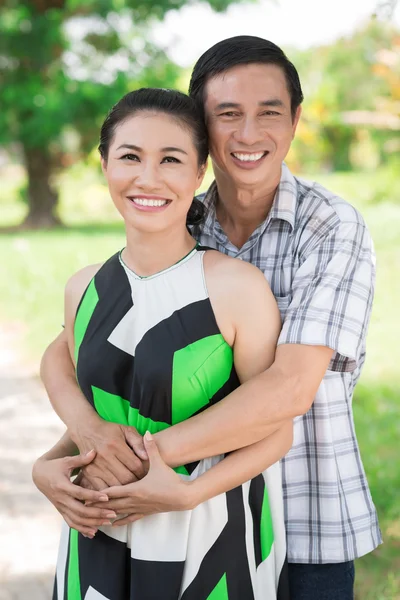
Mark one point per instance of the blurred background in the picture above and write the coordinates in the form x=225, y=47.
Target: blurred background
x=63, y=64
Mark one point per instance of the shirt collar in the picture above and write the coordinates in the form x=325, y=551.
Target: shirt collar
x=283, y=206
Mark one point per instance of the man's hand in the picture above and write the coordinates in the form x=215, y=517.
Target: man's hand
x=120, y=454
x=161, y=490
x=52, y=478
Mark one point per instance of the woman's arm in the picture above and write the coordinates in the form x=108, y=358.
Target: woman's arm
x=242, y=465
x=162, y=490
x=51, y=474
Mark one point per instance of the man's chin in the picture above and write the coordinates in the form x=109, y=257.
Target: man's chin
x=251, y=179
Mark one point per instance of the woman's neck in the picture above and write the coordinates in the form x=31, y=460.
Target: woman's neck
x=150, y=253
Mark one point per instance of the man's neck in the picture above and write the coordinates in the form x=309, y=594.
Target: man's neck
x=241, y=211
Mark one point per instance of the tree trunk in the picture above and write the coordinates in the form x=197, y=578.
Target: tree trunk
x=42, y=197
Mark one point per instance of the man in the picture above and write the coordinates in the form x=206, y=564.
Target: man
x=317, y=255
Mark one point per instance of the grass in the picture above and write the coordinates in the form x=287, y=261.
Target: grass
x=36, y=265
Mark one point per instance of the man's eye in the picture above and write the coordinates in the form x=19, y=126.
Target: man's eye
x=170, y=159
x=129, y=157
x=229, y=113
x=271, y=113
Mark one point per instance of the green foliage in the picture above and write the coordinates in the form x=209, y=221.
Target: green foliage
x=63, y=64
x=352, y=98
x=56, y=63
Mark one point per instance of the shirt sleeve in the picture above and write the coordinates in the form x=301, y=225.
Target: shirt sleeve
x=332, y=294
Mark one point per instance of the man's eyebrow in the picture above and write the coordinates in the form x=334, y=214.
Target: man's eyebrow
x=138, y=149
x=224, y=105
x=270, y=102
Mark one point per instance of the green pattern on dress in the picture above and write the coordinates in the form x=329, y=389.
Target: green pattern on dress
x=266, y=527
x=199, y=371
x=74, y=581
x=220, y=592
x=85, y=312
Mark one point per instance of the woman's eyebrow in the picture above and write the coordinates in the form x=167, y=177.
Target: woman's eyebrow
x=130, y=147
x=138, y=149
x=173, y=149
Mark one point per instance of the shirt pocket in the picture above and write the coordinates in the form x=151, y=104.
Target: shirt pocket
x=283, y=304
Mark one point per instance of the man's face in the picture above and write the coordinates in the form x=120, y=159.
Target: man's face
x=250, y=124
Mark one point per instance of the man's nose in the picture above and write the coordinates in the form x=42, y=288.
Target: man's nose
x=249, y=132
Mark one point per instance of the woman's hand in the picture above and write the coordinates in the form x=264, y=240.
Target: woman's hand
x=161, y=490
x=52, y=478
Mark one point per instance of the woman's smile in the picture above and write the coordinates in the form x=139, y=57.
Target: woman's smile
x=149, y=203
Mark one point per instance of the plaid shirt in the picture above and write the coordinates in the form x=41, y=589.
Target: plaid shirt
x=318, y=257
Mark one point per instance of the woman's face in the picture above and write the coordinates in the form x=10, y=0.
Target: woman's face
x=152, y=171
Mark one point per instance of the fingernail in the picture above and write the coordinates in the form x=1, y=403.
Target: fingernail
x=103, y=498
x=87, y=453
x=106, y=523
x=92, y=534
x=111, y=515
x=148, y=436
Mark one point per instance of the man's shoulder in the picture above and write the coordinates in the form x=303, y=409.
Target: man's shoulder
x=318, y=203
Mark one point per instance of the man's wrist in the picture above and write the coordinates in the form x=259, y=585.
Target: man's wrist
x=83, y=425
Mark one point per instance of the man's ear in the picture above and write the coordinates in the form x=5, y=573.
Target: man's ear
x=296, y=120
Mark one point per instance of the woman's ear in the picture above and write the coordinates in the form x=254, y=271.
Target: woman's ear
x=103, y=166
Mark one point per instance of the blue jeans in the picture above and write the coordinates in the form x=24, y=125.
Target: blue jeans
x=334, y=581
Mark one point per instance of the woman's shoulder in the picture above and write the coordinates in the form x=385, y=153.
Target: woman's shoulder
x=235, y=271
x=239, y=294
x=79, y=281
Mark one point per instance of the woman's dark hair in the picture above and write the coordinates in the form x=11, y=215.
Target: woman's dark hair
x=243, y=50
x=179, y=106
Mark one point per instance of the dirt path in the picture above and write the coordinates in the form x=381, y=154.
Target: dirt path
x=29, y=526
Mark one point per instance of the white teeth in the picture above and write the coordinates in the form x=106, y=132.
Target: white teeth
x=248, y=157
x=147, y=202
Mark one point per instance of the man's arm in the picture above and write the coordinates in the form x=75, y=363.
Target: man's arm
x=115, y=463
x=253, y=411
x=58, y=375
x=250, y=413
x=325, y=327
x=340, y=267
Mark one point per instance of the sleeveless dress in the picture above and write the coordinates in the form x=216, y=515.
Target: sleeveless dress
x=149, y=354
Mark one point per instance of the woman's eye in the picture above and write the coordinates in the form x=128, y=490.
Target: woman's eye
x=129, y=157
x=170, y=159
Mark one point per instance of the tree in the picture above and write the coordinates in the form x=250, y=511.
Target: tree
x=63, y=63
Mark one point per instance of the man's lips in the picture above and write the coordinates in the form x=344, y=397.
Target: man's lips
x=249, y=160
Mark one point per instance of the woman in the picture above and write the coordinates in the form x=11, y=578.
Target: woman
x=159, y=332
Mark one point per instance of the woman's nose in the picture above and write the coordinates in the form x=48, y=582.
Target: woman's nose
x=148, y=176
